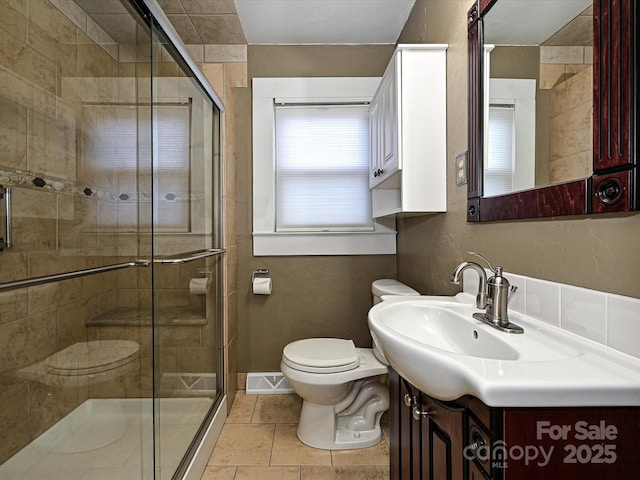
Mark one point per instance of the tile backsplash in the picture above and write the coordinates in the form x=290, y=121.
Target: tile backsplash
x=606, y=318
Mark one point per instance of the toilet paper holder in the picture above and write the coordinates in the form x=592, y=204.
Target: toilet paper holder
x=260, y=272
x=203, y=272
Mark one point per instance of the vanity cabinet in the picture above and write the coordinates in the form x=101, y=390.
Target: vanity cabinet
x=426, y=435
x=466, y=439
x=407, y=132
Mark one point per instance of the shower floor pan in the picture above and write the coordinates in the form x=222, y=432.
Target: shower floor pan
x=110, y=439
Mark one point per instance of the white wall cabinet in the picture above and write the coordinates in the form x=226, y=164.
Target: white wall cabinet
x=407, y=121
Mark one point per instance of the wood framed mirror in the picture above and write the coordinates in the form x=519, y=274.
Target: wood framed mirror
x=550, y=183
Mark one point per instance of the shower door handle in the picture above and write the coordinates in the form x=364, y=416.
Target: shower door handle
x=5, y=198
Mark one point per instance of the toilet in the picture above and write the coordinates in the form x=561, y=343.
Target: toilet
x=343, y=387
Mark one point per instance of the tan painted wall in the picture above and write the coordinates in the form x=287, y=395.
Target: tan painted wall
x=598, y=252
x=312, y=296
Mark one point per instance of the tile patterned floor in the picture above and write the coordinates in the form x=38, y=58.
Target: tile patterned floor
x=258, y=442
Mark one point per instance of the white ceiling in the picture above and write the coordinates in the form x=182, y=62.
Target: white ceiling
x=323, y=21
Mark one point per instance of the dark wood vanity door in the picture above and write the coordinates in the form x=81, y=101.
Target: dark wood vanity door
x=442, y=440
x=403, y=451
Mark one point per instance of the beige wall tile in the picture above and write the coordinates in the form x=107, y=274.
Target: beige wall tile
x=33, y=233
x=34, y=219
x=13, y=305
x=225, y=53
x=48, y=18
x=184, y=27
x=576, y=90
x=561, y=54
x=13, y=135
x=51, y=147
x=215, y=29
x=72, y=320
x=49, y=403
x=215, y=74
x=196, y=52
x=48, y=263
x=28, y=63
x=570, y=132
x=13, y=266
x=551, y=75
x=208, y=6
x=23, y=342
x=73, y=12
x=13, y=18
x=14, y=418
x=52, y=295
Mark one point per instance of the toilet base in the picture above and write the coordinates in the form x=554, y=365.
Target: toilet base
x=356, y=425
x=320, y=428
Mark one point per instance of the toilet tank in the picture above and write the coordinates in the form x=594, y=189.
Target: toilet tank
x=388, y=286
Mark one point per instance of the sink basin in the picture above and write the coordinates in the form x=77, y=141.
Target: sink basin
x=437, y=345
x=445, y=329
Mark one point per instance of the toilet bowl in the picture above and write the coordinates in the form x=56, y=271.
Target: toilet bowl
x=343, y=388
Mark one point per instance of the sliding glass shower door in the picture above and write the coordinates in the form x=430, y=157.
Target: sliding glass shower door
x=110, y=286
x=186, y=238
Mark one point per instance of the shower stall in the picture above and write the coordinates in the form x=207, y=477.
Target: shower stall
x=110, y=244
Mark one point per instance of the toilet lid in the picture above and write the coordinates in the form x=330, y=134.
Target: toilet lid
x=321, y=355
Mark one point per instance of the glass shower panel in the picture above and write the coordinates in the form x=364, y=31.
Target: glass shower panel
x=186, y=300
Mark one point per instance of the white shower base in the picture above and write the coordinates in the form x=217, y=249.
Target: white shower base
x=109, y=439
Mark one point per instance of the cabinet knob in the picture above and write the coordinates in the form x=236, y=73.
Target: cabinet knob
x=477, y=441
x=408, y=401
x=375, y=174
x=418, y=413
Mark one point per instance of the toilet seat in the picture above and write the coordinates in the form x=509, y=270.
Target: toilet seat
x=321, y=355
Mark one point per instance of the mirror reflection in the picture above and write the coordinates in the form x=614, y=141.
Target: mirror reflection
x=538, y=93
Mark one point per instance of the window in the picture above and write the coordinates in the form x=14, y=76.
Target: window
x=510, y=148
x=322, y=168
x=498, y=172
x=310, y=168
x=117, y=147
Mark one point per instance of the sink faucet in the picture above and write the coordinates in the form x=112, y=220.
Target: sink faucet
x=493, y=294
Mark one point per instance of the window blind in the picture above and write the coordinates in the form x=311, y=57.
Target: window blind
x=322, y=168
x=498, y=172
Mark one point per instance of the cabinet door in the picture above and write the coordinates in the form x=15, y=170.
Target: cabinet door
x=389, y=124
x=375, y=140
x=383, y=122
x=442, y=440
x=400, y=447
